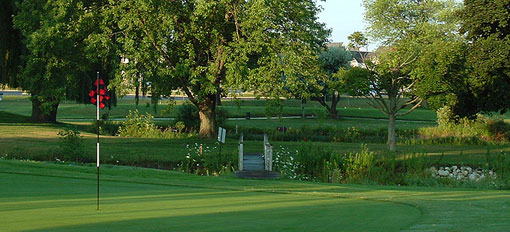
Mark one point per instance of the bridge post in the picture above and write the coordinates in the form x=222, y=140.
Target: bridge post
x=241, y=154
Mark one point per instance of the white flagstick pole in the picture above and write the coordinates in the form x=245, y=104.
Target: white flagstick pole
x=97, y=147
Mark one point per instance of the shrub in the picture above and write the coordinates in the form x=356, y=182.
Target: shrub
x=70, y=147
x=142, y=126
x=274, y=108
x=221, y=117
x=206, y=161
x=187, y=113
x=138, y=125
x=480, y=131
x=106, y=127
x=359, y=165
x=445, y=116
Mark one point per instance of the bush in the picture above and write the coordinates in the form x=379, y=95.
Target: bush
x=480, y=131
x=142, y=126
x=138, y=125
x=106, y=127
x=206, y=161
x=187, y=113
x=274, y=108
x=70, y=147
x=221, y=117
x=323, y=134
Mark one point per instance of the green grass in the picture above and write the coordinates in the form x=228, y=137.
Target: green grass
x=36, y=141
x=21, y=105
x=51, y=197
x=359, y=123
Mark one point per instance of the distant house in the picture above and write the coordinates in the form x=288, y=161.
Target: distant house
x=358, y=56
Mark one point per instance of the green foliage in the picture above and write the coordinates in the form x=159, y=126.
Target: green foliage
x=274, y=108
x=465, y=131
x=486, y=23
x=106, y=127
x=500, y=164
x=357, y=166
x=11, y=47
x=202, y=44
x=326, y=84
x=59, y=61
x=355, y=81
x=445, y=116
x=406, y=29
x=206, y=160
x=139, y=125
x=222, y=116
x=188, y=114
x=70, y=147
x=334, y=59
x=357, y=40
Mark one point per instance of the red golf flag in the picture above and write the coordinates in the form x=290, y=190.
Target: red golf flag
x=103, y=94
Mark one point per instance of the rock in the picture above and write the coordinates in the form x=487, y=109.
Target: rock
x=473, y=177
x=443, y=173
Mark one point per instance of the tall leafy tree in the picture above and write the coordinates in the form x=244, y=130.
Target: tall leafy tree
x=11, y=47
x=59, y=63
x=200, y=46
x=487, y=25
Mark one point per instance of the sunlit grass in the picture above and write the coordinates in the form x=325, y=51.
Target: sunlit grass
x=43, y=197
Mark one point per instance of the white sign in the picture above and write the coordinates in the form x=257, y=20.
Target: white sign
x=222, y=132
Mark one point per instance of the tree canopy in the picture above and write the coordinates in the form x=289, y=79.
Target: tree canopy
x=11, y=47
x=487, y=26
x=407, y=29
x=202, y=46
x=59, y=64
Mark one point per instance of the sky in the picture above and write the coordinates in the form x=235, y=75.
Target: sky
x=342, y=16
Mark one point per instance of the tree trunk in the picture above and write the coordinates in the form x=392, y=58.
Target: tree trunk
x=137, y=94
x=333, y=111
x=207, y=114
x=39, y=115
x=391, y=133
x=218, y=97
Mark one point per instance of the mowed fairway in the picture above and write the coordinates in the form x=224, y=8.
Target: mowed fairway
x=51, y=197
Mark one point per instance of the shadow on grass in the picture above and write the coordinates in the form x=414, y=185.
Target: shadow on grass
x=6, y=117
x=285, y=215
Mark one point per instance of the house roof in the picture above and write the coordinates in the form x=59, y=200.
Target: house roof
x=359, y=56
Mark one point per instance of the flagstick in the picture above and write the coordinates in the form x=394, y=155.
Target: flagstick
x=97, y=157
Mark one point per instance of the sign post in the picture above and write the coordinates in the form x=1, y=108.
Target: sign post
x=222, y=132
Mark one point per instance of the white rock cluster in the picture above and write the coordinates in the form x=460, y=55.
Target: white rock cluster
x=462, y=173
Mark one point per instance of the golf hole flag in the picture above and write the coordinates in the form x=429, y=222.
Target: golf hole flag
x=102, y=96
x=98, y=96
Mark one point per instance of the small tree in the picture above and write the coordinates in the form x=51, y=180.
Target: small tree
x=387, y=85
x=406, y=29
x=332, y=61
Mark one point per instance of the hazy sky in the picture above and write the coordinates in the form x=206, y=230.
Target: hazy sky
x=343, y=16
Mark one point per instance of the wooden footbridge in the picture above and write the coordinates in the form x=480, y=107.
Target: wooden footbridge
x=256, y=165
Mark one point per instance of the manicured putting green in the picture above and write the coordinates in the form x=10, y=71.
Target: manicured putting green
x=61, y=197
x=65, y=203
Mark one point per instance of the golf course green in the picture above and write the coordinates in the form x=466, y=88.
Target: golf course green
x=61, y=197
